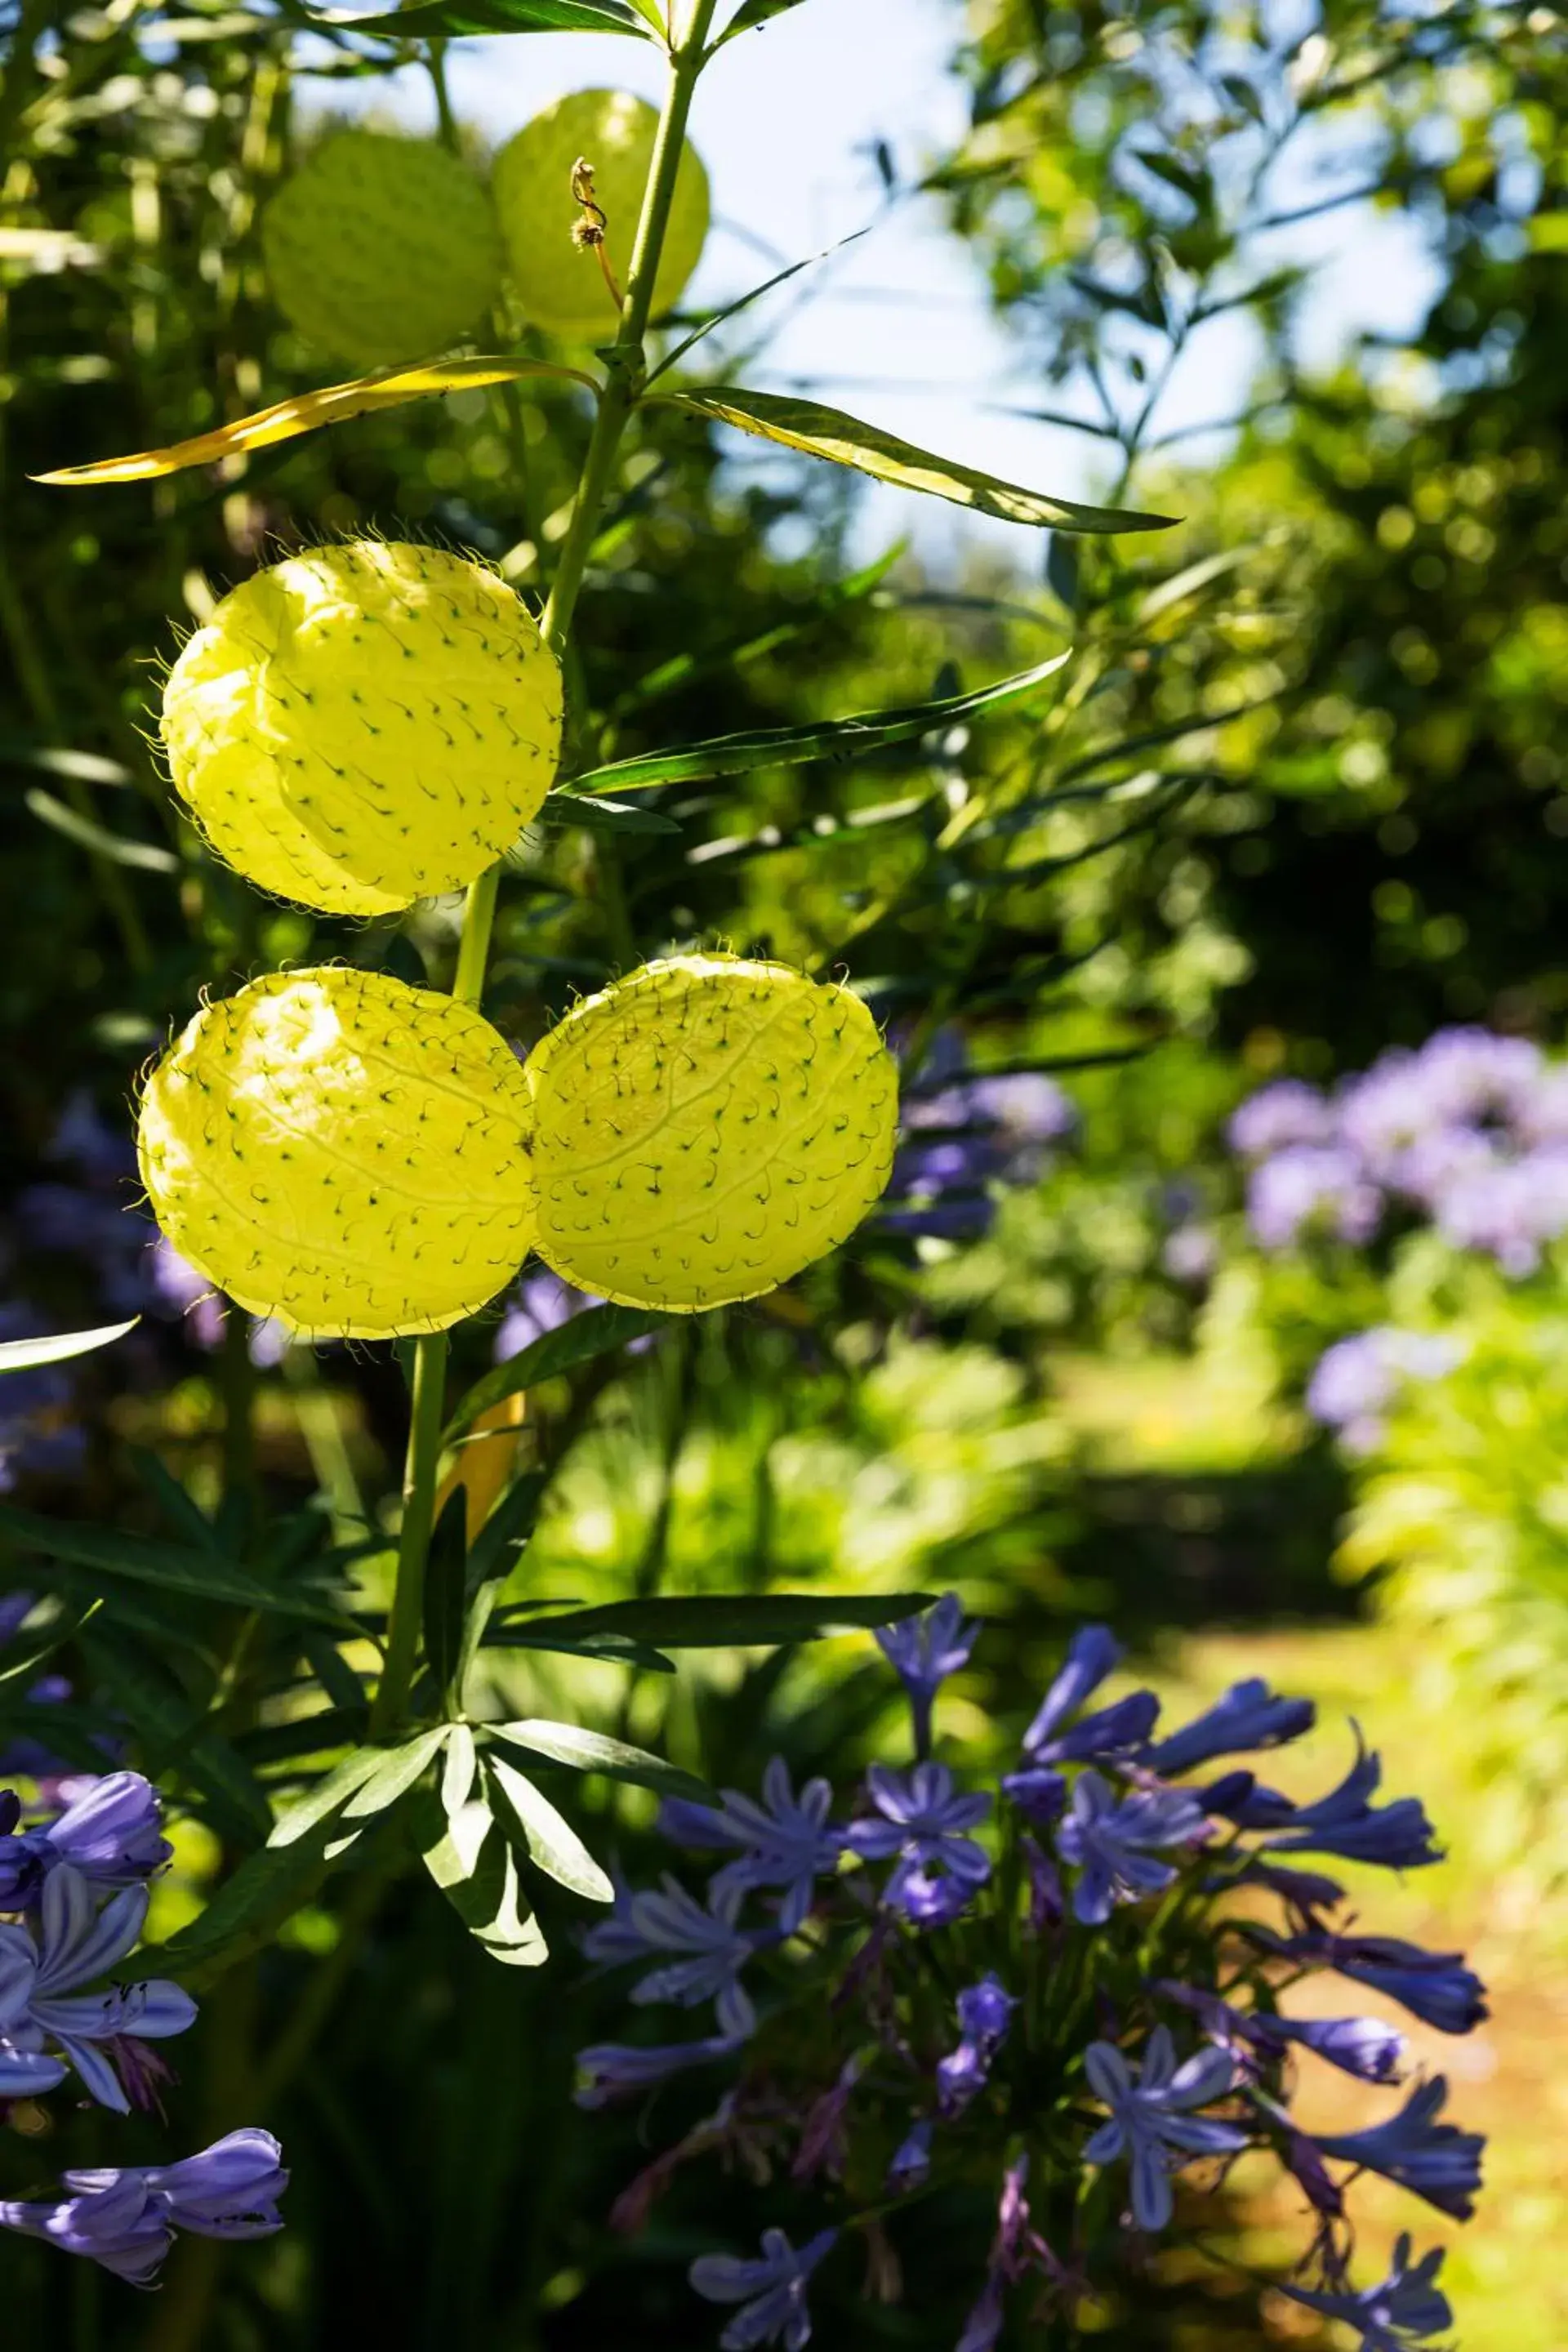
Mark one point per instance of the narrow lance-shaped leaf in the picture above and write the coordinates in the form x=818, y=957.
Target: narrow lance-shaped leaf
x=444, y=1594
x=470, y=1860
x=449, y=19
x=604, y=817
x=755, y=13
x=592, y=1751
x=396, y=1772
x=577, y=1342
x=88, y=834
x=553, y=1844
x=719, y=1621
x=306, y=412
x=197, y=1573
x=827, y=739
x=24, y=1355
x=330, y=1793
x=841, y=440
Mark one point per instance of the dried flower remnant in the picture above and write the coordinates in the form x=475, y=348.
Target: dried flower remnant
x=705, y=1129
x=363, y=725
x=343, y=1152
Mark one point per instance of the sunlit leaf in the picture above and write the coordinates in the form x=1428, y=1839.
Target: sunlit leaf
x=22, y=1657
x=612, y=1648
x=330, y=1794
x=306, y=412
x=553, y=1844
x=24, y=1355
x=754, y=294
x=827, y=433
x=593, y=1333
x=395, y=1771
x=754, y=12
x=448, y=19
x=591, y=1751
x=830, y=739
x=615, y=817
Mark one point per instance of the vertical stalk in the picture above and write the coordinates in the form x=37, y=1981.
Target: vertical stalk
x=627, y=369
x=429, y=1384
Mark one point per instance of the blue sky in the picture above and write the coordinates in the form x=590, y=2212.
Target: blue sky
x=897, y=329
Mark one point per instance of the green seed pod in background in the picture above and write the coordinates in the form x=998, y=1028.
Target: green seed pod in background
x=381, y=248
x=558, y=283
x=365, y=725
x=342, y=1151
x=706, y=1128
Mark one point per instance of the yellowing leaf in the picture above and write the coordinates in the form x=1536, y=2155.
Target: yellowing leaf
x=308, y=411
x=843, y=440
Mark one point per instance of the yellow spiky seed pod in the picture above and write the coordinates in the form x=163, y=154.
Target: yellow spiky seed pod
x=558, y=283
x=381, y=248
x=342, y=1151
x=705, y=1129
x=365, y=725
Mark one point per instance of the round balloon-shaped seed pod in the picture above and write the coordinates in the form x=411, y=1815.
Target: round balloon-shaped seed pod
x=363, y=725
x=381, y=248
x=342, y=1152
x=706, y=1128
x=558, y=283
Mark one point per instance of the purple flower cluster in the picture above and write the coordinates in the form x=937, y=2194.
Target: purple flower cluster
x=964, y=1134
x=76, y=1887
x=1471, y=1132
x=79, y=1882
x=1052, y=1988
x=1354, y=1382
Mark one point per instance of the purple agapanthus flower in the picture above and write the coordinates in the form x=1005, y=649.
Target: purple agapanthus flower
x=125, y=2218
x=1405, y=2309
x=911, y=2165
x=41, y=2001
x=1249, y=1716
x=925, y=1823
x=1356, y=1379
x=711, y=1948
x=1289, y=1111
x=784, y=1841
x=1312, y=1184
x=1016, y=2249
x=1091, y=1654
x=925, y=1651
x=1436, y=1987
x=1432, y=2159
x=112, y=1835
x=1113, y=1841
x=609, y=2069
x=1151, y=2120
x=770, y=2290
x=1399, y=1836
x=984, y=2012
x=1363, y=2046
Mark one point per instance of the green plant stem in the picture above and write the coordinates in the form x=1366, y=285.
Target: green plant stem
x=430, y=1385
x=627, y=369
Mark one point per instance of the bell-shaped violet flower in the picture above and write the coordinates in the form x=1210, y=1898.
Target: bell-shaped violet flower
x=923, y=1823
x=112, y=1835
x=924, y=1651
x=1113, y=1841
x=911, y=2165
x=1344, y=1823
x=1249, y=1716
x=1405, y=2309
x=984, y=2012
x=125, y=2218
x=1151, y=2120
x=610, y=2070
x=1432, y=2159
x=1436, y=1987
x=785, y=1840
x=771, y=2291
x=41, y=2000
x=1091, y=1654
x=1363, y=2046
